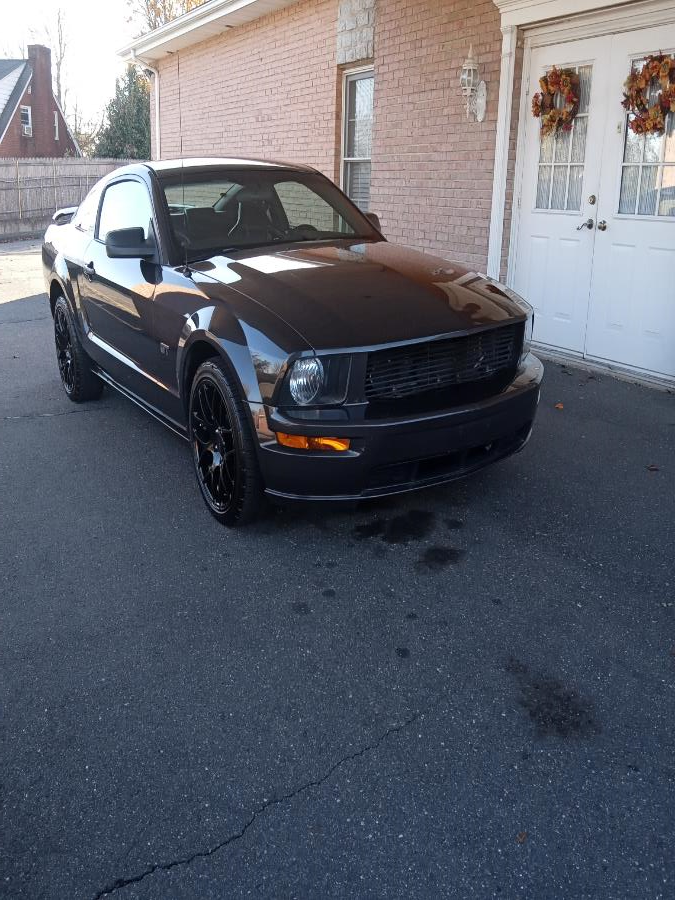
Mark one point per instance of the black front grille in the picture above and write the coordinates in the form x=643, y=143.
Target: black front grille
x=459, y=368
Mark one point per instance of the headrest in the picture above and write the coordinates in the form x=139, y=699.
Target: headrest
x=253, y=193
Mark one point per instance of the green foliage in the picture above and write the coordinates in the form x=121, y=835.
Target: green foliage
x=126, y=125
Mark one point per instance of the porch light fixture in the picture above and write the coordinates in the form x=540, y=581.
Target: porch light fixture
x=473, y=89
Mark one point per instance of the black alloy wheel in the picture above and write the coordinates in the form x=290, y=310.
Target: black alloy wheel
x=79, y=382
x=223, y=451
x=64, y=349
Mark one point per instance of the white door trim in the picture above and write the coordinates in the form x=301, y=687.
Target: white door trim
x=583, y=18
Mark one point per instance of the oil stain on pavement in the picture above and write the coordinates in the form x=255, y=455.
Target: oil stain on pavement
x=553, y=708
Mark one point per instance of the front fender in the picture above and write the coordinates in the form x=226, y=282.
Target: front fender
x=216, y=327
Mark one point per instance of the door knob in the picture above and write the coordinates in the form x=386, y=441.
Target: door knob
x=602, y=226
x=587, y=224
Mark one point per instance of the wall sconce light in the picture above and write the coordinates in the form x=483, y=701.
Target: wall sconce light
x=473, y=89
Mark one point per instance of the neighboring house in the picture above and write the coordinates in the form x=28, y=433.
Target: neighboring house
x=31, y=121
x=368, y=91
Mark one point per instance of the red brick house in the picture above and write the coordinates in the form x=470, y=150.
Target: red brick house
x=581, y=222
x=31, y=121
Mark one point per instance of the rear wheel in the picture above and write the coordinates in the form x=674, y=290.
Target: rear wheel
x=223, y=449
x=77, y=378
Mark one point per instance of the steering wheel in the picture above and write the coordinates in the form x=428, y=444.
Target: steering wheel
x=303, y=230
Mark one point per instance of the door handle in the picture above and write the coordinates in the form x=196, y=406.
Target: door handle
x=89, y=270
x=602, y=226
x=589, y=223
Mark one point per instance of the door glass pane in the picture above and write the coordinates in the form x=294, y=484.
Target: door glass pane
x=629, y=187
x=543, y=187
x=546, y=149
x=574, y=189
x=559, y=186
x=667, y=196
x=579, y=140
x=648, y=192
x=634, y=148
x=584, y=88
x=653, y=144
x=562, y=146
x=669, y=139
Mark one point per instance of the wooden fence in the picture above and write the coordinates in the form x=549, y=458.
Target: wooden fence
x=32, y=189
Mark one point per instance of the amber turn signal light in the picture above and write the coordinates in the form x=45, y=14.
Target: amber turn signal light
x=301, y=442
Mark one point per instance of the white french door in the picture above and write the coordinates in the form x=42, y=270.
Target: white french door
x=561, y=178
x=595, y=236
x=632, y=299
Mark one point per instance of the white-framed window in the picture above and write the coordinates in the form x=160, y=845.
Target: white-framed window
x=26, y=116
x=56, y=124
x=357, y=135
x=648, y=167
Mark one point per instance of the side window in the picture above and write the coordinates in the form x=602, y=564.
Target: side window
x=358, y=137
x=85, y=217
x=303, y=207
x=126, y=204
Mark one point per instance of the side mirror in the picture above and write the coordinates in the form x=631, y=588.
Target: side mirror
x=374, y=219
x=129, y=243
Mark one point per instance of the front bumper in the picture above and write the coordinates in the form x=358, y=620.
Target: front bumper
x=391, y=456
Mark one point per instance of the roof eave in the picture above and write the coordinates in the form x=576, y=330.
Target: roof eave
x=208, y=20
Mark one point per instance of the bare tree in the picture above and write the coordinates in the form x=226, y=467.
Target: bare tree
x=59, y=43
x=154, y=13
x=85, y=131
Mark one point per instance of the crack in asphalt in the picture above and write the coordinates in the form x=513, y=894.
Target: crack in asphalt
x=23, y=321
x=51, y=415
x=237, y=835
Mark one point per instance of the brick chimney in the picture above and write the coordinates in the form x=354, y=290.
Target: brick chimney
x=41, y=99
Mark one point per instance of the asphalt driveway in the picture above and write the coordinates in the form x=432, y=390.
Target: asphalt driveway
x=467, y=692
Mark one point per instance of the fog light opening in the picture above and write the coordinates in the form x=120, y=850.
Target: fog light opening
x=301, y=442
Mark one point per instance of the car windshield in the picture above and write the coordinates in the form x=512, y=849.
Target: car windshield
x=226, y=210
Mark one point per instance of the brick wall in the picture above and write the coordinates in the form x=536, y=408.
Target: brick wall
x=266, y=89
x=39, y=96
x=273, y=89
x=432, y=169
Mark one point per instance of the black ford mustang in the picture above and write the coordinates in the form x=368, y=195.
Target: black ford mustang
x=252, y=308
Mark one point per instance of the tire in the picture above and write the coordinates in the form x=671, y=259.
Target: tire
x=77, y=378
x=223, y=447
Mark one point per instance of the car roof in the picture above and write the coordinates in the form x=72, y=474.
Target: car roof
x=172, y=166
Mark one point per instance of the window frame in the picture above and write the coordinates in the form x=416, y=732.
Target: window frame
x=56, y=125
x=660, y=166
x=348, y=75
x=29, y=110
x=121, y=180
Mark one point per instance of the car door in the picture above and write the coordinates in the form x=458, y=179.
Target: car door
x=117, y=294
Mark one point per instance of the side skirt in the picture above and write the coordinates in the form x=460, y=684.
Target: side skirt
x=170, y=423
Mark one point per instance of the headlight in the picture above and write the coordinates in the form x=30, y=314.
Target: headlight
x=316, y=381
x=306, y=380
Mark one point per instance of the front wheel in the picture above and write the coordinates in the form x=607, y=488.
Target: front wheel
x=223, y=449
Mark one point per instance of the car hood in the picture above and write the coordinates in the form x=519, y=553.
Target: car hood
x=343, y=294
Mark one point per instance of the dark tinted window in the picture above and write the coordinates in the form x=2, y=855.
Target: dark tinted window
x=85, y=217
x=126, y=204
x=217, y=210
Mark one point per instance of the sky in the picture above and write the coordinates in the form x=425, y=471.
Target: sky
x=95, y=30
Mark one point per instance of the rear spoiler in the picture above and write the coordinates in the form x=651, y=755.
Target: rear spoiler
x=62, y=216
